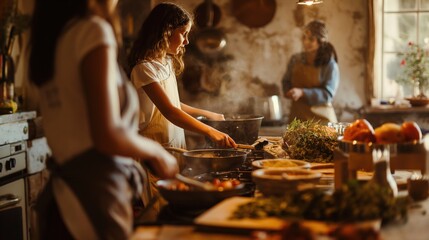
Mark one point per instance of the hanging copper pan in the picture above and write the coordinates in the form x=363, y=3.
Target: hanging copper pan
x=254, y=13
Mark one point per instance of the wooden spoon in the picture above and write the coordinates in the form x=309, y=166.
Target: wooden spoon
x=245, y=146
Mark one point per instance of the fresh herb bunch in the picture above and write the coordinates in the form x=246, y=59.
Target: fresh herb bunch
x=310, y=140
x=353, y=202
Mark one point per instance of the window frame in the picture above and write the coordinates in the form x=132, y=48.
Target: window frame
x=380, y=81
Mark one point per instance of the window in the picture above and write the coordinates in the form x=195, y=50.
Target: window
x=397, y=22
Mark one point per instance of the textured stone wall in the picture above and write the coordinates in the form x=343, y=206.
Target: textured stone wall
x=254, y=59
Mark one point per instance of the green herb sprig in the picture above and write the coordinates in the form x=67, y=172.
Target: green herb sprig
x=310, y=140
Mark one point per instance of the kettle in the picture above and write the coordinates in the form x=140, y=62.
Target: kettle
x=269, y=107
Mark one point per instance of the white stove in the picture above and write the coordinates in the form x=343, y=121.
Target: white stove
x=14, y=133
x=12, y=158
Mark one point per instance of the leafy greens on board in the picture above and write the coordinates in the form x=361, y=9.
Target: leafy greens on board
x=353, y=202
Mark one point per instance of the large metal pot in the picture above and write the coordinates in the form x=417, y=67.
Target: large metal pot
x=209, y=160
x=242, y=128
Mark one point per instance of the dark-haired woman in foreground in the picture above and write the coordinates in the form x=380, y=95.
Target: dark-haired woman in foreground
x=90, y=117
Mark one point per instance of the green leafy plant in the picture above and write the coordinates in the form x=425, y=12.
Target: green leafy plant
x=415, y=67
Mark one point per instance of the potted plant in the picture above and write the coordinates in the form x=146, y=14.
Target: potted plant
x=415, y=73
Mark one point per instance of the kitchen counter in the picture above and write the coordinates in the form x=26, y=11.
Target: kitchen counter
x=15, y=117
x=272, y=130
x=387, y=113
x=416, y=228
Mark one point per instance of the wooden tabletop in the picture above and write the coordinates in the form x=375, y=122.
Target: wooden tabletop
x=416, y=228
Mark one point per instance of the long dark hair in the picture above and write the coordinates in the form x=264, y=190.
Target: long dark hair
x=326, y=49
x=48, y=22
x=152, y=39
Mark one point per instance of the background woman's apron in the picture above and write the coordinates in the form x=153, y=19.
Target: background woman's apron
x=306, y=76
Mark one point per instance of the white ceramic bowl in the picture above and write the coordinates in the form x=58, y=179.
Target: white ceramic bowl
x=280, y=163
x=278, y=182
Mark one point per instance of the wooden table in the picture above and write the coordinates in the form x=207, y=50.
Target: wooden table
x=416, y=228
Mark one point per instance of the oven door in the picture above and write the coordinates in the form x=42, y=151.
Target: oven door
x=13, y=220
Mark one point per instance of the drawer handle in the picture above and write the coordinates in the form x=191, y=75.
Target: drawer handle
x=8, y=200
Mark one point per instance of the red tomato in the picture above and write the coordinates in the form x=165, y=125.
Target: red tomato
x=216, y=182
x=411, y=131
x=235, y=182
x=226, y=184
x=359, y=130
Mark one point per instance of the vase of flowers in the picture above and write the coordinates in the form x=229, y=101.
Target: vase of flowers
x=415, y=73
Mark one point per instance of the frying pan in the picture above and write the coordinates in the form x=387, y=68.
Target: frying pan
x=209, y=160
x=254, y=13
x=196, y=198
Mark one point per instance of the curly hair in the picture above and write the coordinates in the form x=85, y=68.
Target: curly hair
x=152, y=40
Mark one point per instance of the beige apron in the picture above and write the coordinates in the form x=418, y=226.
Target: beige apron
x=168, y=135
x=158, y=127
x=306, y=76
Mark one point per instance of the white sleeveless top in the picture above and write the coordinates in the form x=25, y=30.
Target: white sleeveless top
x=152, y=123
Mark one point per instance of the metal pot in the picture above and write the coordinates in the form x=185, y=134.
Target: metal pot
x=209, y=39
x=209, y=160
x=242, y=128
x=270, y=107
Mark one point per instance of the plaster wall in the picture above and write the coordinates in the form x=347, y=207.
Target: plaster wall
x=254, y=60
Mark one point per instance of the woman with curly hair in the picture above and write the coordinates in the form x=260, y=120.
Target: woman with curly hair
x=155, y=60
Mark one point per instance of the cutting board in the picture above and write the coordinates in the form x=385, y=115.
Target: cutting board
x=217, y=218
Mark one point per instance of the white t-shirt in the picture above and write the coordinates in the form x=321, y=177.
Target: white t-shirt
x=152, y=123
x=62, y=100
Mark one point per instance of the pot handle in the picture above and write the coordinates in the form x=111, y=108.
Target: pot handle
x=174, y=149
x=245, y=146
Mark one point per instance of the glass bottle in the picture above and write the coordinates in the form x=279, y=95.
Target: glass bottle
x=382, y=175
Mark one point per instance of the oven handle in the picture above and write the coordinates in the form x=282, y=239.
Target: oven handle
x=8, y=200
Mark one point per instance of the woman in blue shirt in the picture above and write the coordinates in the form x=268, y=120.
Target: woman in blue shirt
x=312, y=77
